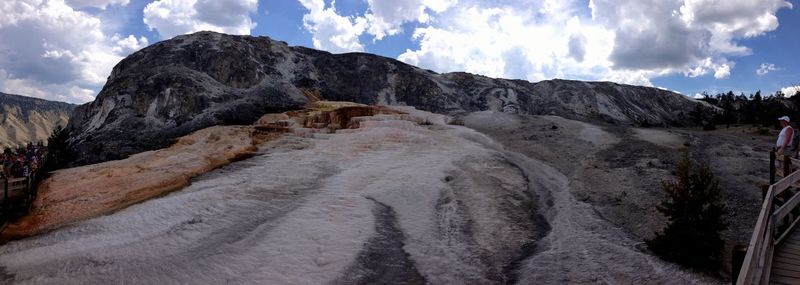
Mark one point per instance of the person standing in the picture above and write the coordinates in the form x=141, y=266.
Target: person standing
x=785, y=138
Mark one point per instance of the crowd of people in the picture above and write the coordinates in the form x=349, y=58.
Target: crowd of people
x=21, y=162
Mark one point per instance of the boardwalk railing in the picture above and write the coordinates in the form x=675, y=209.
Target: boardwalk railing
x=17, y=196
x=778, y=217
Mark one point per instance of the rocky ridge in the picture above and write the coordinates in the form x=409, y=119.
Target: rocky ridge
x=26, y=119
x=177, y=86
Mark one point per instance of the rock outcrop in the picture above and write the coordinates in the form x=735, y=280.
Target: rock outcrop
x=25, y=119
x=194, y=81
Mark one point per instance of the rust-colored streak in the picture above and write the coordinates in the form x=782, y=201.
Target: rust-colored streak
x=77, y=194
x=341, y=116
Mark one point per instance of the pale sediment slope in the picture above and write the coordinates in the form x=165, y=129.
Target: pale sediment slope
x=75, y=194
x=391, y=202
x=616, y=171
x=80, y=193
x=660, y=137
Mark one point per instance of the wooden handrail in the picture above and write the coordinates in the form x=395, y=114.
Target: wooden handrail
x=786, y=182
x=753, y=260
x=25, y=184
x=756, y=267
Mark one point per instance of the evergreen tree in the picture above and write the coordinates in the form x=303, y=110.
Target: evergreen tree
x=692, y=236
x=58, y=154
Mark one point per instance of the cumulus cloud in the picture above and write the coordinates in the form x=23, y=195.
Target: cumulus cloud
x=732, y=18
x=765, y=68
x=101, y=4
x=128, y=44
x=694, y=37
x=648, y=36
x=177, y=17
x=331, y=31
x=577, y=47
x=722, y=71
x=340, y=33
x=535, y=41
x=386, y=17
x=628, y=41
x=66, y=92
x=56, y=52
x=790, y=91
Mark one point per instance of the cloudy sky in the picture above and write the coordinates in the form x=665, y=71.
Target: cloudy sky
x=64, y=49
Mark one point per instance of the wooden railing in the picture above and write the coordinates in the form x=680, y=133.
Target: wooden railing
x=777, y=219
x=17, y=196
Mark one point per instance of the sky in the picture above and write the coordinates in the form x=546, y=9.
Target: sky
x=65, y=49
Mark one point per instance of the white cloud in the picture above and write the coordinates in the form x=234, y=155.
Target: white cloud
x=790, y=91
x=691, y=36
x=625, y=41
x=722, y=71
x=56, y=51
x=338, y=33
x=177, y=17
x=60, y=92
x=129, y=44
x=510, y=42
x=641, y=78
x=102, y=4
x=628, y=41
x=386, y=17
x=727, y=19
x=765, y=68
x=331, y=31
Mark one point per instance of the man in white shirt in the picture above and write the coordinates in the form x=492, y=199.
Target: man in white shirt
x=785, y=138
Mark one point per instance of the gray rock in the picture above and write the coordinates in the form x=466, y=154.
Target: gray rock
x=194, y=81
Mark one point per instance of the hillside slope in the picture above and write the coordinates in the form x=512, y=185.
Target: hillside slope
x=401, y=199
x=194, y=81
x=25, y=119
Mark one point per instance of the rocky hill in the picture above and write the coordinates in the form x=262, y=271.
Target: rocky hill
x=193, y=81
x=25, y=119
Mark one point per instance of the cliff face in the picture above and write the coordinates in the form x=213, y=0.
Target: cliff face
x=194, y=81
x=25, y=119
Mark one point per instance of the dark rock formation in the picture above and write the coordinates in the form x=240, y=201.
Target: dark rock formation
x=26, y=119
x=194, y=81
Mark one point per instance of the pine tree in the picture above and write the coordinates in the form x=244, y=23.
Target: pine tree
x=58, y=154
x=692, y=236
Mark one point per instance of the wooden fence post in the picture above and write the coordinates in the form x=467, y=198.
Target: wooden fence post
x=5, y=197
x=771, y=167
x=787, y=165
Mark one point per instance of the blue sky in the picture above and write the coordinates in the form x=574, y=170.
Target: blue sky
x=64, y=49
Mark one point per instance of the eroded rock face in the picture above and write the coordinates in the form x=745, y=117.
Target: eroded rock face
x=194, y=81
x=25, y=119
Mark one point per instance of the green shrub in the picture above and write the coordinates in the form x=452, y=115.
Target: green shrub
x=692, y=235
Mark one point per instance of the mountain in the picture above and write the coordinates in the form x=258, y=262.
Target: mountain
x=26, y=119
x=194, y=81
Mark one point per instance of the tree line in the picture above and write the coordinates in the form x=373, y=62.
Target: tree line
x=755, y=109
